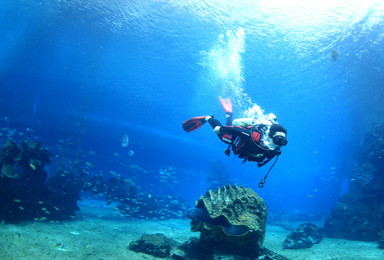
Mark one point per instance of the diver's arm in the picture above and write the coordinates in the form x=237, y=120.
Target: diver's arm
x=270, y=156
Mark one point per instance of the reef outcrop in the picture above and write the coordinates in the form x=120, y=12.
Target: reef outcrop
x=355, y=217
x=359, y=214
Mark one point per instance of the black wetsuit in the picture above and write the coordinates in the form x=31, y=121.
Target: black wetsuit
x=245, y=142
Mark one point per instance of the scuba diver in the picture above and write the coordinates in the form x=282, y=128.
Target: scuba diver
x=251, y=139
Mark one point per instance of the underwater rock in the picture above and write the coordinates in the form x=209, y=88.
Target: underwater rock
x=355, y=217
x=157, y=245
x=231, y=219
x=304, y=236
x=373, y=148
x=381, y=240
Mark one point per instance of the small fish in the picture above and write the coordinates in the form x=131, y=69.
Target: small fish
x=6, y=119
x=114, y=173
x=89, y=164
x=33, y=166
x=17, y=200
x=335, y=54
x=310, y=196
x=18, y=235
x=125, y=141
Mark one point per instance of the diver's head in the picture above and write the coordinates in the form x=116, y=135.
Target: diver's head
x=278, y=134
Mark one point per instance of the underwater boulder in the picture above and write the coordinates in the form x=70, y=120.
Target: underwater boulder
x=230, y=218
x=156, y=245
x=305, y=236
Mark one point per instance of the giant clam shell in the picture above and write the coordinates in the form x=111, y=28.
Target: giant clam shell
x=238, y=215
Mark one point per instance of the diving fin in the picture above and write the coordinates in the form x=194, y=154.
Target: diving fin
x=194, y=123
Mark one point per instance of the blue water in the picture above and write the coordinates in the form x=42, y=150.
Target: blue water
x=82, y=74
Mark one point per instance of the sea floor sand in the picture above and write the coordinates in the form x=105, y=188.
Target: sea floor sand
x=99, y=234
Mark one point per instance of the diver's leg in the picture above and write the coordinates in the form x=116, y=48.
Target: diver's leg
x=213, y=122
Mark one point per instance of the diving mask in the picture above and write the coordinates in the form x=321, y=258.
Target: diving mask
x=279, y=140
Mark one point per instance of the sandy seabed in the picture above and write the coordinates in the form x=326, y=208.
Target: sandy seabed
x=100, y=235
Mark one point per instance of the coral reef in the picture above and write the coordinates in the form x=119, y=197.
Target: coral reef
x=359, y=214
x=25, y=192
x=305, y=236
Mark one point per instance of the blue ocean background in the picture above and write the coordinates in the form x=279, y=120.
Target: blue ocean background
x=80, y=75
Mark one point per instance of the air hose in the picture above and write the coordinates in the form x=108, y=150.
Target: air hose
x=261, y=184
